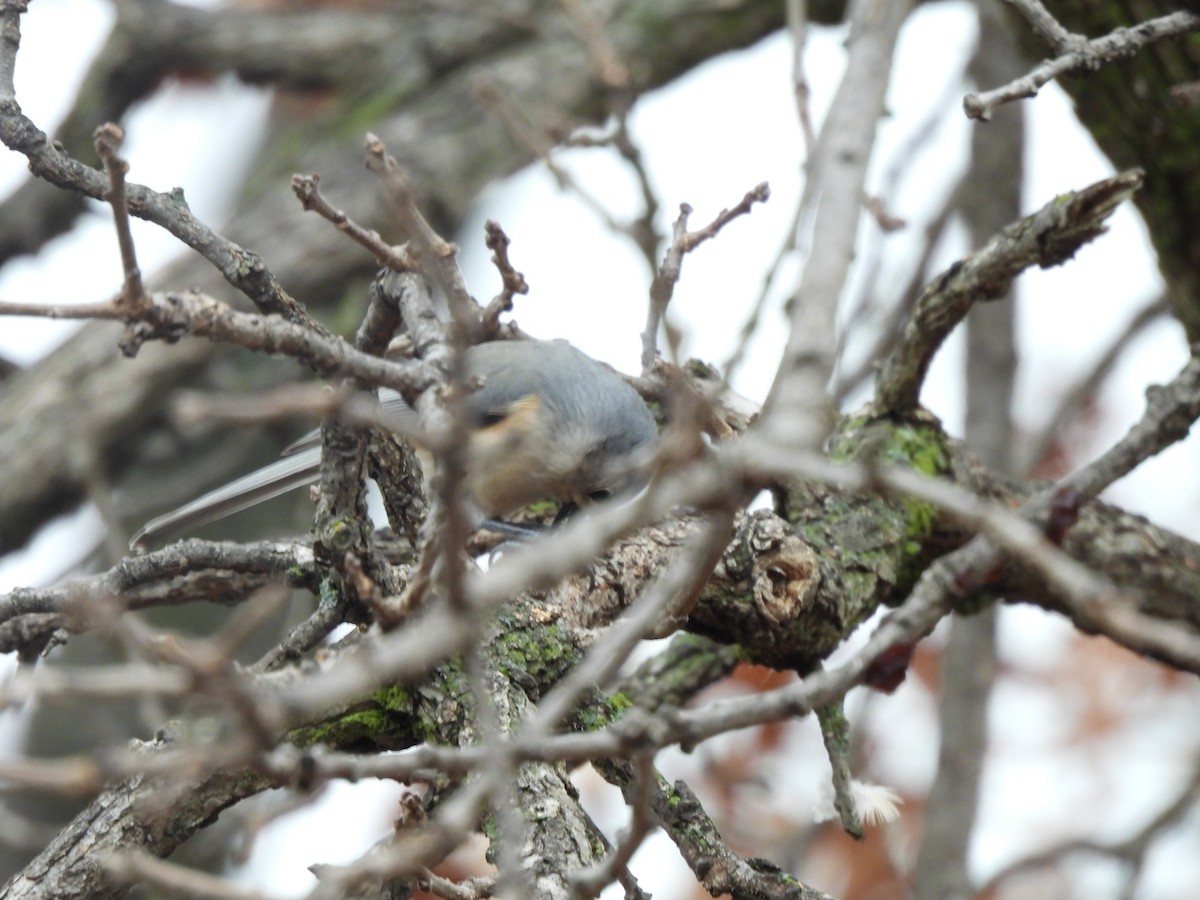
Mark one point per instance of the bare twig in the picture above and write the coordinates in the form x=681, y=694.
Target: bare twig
x=1119, y=44
x=138, y=867
x=449, y=522
x=716, y=866
x=884, y=304
x=71, y=777
x=613, y=73
x=1132, y=850
x=181, y=573
x=512, y=281
x=797, y=20
x=642, y=230
x=667, y=276
x=306, y=189
x=606, y=61
x=892, y=320
x=1047, y=27
x=328, y=615
x=108, y=139
x=590, y=883
x=170, y=315
x=835, y=732
x=48, y=160
x=1036, y=448
x=285, y=402
x=438, y=256
x=95, y=683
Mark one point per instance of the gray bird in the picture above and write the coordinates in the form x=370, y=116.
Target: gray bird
x=548, y=422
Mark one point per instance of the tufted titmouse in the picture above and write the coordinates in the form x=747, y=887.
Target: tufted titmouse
x=549, y=422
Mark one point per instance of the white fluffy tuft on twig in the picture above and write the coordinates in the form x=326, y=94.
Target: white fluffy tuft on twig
x=876, y=804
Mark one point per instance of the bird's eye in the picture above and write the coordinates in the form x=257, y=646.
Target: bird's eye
x=599, y=495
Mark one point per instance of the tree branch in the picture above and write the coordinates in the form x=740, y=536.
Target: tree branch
x=1077, y=54
x=1047, y=238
